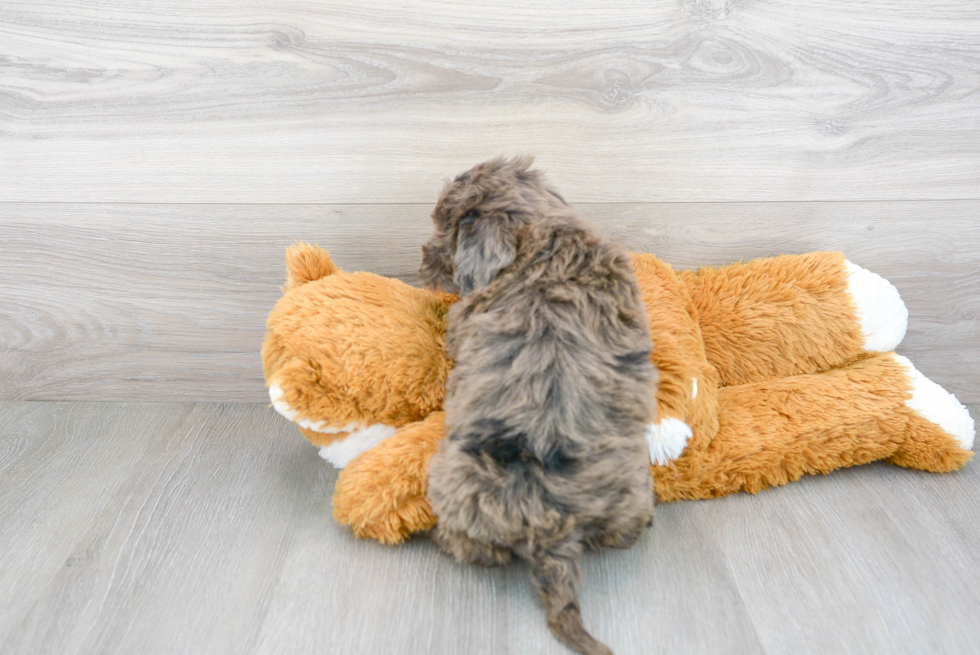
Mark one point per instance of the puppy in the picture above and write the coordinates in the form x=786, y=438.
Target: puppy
x=551, y=391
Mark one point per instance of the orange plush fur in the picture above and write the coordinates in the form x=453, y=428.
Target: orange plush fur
x=763, y=369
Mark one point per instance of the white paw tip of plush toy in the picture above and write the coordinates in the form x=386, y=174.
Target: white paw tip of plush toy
x=275, y=395
x=359, y=439
x=667, y=440
x=340, y=453
x=939, y=406
x=884, y=317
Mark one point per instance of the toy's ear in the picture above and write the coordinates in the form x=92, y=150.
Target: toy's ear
x=307, y=263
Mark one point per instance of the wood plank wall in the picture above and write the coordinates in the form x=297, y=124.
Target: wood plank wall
x=156, y=158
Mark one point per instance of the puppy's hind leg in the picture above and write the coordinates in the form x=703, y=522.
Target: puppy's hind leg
x=621, y=540
x=621, y=537
x=465, y=549
x=625, y=532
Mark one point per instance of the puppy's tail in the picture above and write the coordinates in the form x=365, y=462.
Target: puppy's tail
x=555, y=574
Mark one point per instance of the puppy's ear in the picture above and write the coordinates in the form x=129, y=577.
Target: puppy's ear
x=436, y=271
x=484, y=247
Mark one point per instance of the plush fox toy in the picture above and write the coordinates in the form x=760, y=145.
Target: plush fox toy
x=768, y=370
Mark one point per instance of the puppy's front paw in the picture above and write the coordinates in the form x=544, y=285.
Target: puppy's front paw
x=667, y=440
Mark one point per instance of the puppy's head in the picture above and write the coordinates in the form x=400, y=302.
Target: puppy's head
x=478, y=221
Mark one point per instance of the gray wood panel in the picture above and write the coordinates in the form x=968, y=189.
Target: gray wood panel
x=872, y=584
x=180, y=524
x=61, y=467
x=705, y=131
x=173, y=528
x=345, y=102
x=168, y=302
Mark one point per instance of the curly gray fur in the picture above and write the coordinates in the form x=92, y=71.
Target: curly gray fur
x=552, y=387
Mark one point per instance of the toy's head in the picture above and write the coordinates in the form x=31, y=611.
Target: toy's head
x=351, y=357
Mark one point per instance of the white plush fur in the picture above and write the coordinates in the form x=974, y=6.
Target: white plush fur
x=341, y=452
x=939, y=406
x=667, y=440
x=275, y=395
x=884, y=317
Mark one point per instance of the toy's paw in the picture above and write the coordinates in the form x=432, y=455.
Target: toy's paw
x=883, y=315
x=667, y=440
x=939, y=406
x=392, y=524
x=381, y=494
x=381, y=505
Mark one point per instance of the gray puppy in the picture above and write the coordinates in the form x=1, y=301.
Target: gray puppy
x=551, y=391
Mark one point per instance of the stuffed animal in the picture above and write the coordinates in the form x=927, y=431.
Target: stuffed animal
x=768, y=370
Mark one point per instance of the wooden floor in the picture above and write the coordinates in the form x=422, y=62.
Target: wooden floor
x=157, y=157
x=206, y=528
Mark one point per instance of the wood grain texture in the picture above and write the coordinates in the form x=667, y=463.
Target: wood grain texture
x=344, y=102
x=166, y=528
x=178, y=525
x=867, y=589
x=60, y=468
x=704, y=131
x=168, y=302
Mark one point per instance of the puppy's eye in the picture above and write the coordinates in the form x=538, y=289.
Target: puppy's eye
x=469, y=218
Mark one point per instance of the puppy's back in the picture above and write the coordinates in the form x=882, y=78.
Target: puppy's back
x=546, y=413
x=553, y=371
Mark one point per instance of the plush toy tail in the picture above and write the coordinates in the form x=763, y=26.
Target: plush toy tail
x=307, y=263
x=940, y=433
